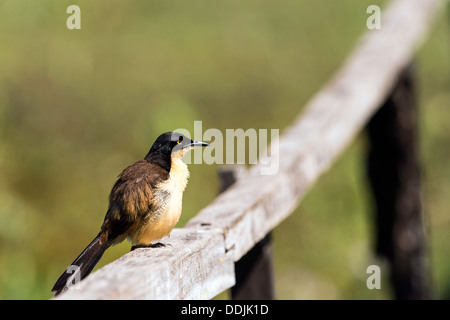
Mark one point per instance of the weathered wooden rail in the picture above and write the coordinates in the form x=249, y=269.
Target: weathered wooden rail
x=228, y=240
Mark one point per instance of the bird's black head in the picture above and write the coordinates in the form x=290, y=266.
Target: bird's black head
x=172, y=145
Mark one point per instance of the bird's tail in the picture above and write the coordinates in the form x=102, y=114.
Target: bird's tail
x=82, y=266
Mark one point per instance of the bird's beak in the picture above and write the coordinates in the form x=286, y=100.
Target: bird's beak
x=198, y=144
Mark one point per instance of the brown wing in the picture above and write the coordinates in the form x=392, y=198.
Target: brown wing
x=130, y=199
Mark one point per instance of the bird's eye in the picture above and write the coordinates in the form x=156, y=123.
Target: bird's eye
x=179, y=140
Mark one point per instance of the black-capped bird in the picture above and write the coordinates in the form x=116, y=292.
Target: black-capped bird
x=144, y=203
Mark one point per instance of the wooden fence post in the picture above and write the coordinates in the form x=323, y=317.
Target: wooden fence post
x=394, y=173
x=254, y=271
x=201, y=257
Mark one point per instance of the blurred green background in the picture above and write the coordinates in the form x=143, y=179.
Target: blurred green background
x=78, y=106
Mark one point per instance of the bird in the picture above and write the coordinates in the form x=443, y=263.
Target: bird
x=145, y=204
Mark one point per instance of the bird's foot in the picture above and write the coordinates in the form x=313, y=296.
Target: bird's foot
x=154, y=245
x=157, y=245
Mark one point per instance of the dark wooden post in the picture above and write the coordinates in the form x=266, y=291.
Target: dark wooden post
x=254, y=271
x=394, y=173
